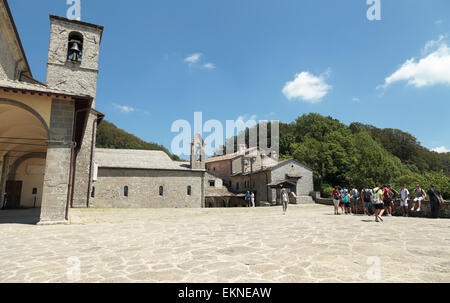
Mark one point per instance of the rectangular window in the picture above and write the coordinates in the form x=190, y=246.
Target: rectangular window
x=212, y=183
x=189, y=190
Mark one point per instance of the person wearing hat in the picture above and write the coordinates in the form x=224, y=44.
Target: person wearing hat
x=421, y=195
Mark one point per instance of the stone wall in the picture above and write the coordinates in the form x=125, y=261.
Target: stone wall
x=80, y=78
x=56, y=179
x=143, y=188
x=57, y=168
x=305, y=185
x=7, y=66
x=221, y=169
x=82, y=165
x=260, y=181
x=424, y=213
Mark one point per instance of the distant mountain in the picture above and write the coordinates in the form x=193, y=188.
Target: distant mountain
x=110, y=136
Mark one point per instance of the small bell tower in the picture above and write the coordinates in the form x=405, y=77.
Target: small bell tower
x=198, y=153
x=72, y=66
x=73, y=56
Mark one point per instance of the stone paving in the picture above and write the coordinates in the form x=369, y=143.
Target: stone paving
x=224, y=245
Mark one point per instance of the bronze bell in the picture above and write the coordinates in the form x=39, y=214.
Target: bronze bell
x=74, y=50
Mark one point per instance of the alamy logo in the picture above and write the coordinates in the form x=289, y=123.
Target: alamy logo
x=374, y=271
x=74, y=11
x=222, y=139
x=74, y=271
x=374, y=11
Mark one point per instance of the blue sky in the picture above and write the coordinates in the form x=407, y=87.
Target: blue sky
x=162, y=60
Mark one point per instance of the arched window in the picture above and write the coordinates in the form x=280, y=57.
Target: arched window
x=161, y=191
x=189, y=190
x=93, y=192
x=75, y=47
x=125, y=191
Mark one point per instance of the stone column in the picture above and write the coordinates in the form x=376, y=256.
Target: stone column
x=83, y=173
x=57, y=166
x=56, y=183
x=3, y=178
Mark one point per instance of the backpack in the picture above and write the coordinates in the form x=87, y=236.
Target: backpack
x=390, y=194
x=355, y=194
x=375, y=199
x=336, y=196
x=345, y=199
x=367, y=196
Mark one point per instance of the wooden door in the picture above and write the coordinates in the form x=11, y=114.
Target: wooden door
x=13, y=193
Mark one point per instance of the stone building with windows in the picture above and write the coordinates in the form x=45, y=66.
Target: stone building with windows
x=148, y=179
x=48, y=158
x=250, y=169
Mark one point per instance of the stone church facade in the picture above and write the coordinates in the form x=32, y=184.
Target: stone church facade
x=48, y=158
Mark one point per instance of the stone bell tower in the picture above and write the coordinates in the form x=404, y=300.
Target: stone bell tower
x=72, y=65
x=198, y=153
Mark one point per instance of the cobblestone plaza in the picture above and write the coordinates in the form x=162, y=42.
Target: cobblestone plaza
x=223, y=245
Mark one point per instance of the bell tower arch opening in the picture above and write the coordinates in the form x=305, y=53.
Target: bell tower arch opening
x=75, y=47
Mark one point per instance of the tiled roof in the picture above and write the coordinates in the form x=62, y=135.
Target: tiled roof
x=36, y=88
x=229, y=156
x=137, y=159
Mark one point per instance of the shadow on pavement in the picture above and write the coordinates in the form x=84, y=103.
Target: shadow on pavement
x=20, y=216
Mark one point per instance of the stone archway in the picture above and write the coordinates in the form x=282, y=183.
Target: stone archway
x=24, y=136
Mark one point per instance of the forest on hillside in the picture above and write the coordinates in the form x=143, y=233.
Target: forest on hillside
x=359, y=155
x=354, y=155
x=110, y=136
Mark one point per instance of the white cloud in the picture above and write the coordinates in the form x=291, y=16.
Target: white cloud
x=355, y=99
x=438, y=21
x=433, y=69
x=430, y=45
x=307, y=87
x=441, y=150
x=194, y=58
x=124, y=108
x=209, y=65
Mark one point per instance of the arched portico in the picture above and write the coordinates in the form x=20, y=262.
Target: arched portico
x=24, y=136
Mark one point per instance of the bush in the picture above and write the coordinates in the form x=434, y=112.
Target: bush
x=326, y=190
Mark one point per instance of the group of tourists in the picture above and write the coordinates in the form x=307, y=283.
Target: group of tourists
x=380, y=200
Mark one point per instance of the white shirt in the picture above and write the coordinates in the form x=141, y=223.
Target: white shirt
x=404, y=193
x=284, y=197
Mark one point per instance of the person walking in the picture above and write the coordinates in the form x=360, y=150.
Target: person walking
x=435, y=200
x=404, y=198
x=253, y=200
x=420, y=197
x=284, y=200
x=336, y=199
x=355, y=200
x=378, y=204
x=366, y=195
